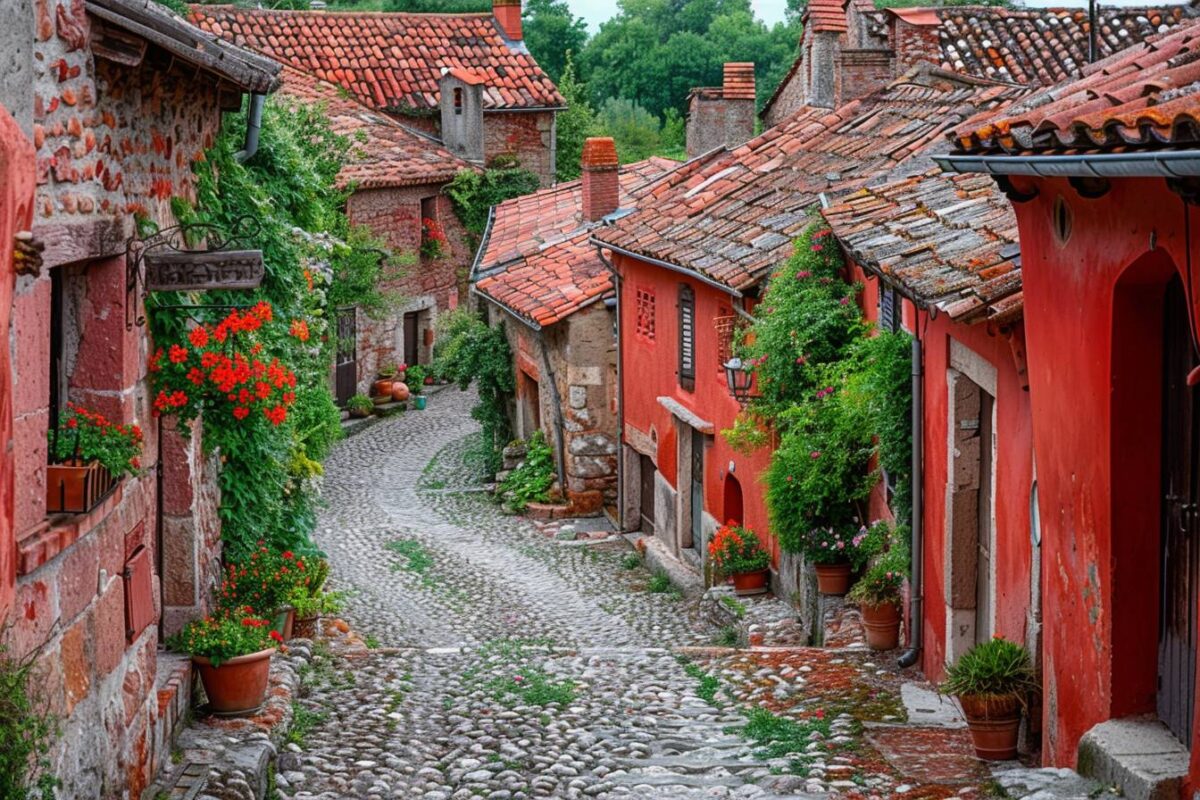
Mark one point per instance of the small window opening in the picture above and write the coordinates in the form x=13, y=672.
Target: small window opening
x=458, y=101
x=1062, y=221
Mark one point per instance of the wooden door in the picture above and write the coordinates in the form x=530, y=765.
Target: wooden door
x=346, y=363
x=697, y=488
x=647, y=481
x=411, y=345
x=1180, y=545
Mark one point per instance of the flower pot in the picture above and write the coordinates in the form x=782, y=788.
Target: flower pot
x=400, y=392
x=994, y=721
x=239, y=685
x=420, y=402
x=833, y=578
x=751, y=582
x=283, y=623
x=360, y=413
x=76, y=488
x=382, y=387
x=307, y=627
x=882, y=626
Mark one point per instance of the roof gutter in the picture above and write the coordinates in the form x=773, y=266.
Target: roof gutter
x=483, y=243
x=1169, y=164
x=691, y=273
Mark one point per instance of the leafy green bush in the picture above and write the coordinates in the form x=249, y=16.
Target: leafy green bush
x=474, y=193
x=531, y=481
x=360, y=403
x=27, y=731
x=996, y=668
x=882, y=582
x=414, y=378
x=220, y=639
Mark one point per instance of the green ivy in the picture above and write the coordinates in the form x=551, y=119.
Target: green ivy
x=531, y=481
x=471, y=352
x=474, y=193
x=26, y=734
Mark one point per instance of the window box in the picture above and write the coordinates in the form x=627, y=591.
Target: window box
x=77, y=488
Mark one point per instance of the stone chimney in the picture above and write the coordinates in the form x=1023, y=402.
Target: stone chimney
x=722, y=117
x=462, y=113
x=601, y=179
x=508, y=17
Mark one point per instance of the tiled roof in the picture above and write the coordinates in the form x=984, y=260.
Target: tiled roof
x=948, y=241
x=735, y=216
x=383, y=153
x=1041, y=45
x=392, y=62
x=538, y=261
x=1145, y=97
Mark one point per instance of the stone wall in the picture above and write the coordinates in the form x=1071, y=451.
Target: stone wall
x=530, y=136
x=914, y=44
x=863, y=72
x=586, y=375
x=790, y=96
x=16, y=62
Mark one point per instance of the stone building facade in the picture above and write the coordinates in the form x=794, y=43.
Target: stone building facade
x=722, y=117
x=116, y=125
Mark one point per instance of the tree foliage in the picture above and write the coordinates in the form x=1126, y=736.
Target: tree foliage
x=574, y=125
x=553, y=34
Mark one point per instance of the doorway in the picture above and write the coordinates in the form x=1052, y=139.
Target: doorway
x=1179, y=550
x=734, y=504
x=412, y=325
x=694, y=531
x=346, y=362
x=647, y=505
x=531, y=405
x=970, y=511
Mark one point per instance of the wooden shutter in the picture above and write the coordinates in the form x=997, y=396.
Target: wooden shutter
x=687, y=338
x=889, y=309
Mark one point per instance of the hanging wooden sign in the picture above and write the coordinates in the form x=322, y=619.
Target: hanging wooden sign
x=173, y=271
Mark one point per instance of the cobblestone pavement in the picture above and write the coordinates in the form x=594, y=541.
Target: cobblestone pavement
x=506, y=664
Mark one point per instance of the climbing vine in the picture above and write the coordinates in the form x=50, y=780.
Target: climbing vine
x=470, y=351
x=474, y=193
x=26, y=733
x=314, y=262
x=834, y=392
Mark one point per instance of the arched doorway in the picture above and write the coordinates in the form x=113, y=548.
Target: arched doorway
x=734, y=511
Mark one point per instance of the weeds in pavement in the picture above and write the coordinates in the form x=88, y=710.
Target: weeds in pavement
x=417, y=558
x=303, y=721
x=509, y=670
x=531, y=686
x=631, y=561
x=709, y=683
x=780, y=737
x=735, y=606
x=729, y=636
x=660, y=583
x=371, y=642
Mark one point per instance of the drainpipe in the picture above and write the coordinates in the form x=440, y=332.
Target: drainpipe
x=253, y=127
x=558, y=413
x=916, y=602
x=616, y=279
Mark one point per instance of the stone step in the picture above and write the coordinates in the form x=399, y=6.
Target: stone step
x=1139, y=755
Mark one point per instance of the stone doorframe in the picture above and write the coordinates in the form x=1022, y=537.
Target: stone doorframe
x=971, y=478
x=686, y=421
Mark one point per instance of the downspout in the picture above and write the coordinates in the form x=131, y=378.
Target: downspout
x=916, y=601
x=253, y=127
x=616, y=279
x=560, y=450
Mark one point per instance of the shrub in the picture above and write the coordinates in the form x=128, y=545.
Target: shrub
x=26, y=734
x=473, y=352
x=531, y=481
x=221, y=638
x=734, y=550
x=414, y=377
x=997, y=668
x=360, y=403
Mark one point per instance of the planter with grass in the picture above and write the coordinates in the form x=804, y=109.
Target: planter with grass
x=877, y=595
x=360, y=406
x=736, y=553
x=233, y=656
x=992, y=682
x=311, y=602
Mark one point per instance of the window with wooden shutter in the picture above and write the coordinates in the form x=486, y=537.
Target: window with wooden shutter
x=687, y=338
x=889, y=309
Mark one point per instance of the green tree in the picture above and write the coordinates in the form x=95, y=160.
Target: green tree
x=574, y=125
x=634, y=129
x=552, y=34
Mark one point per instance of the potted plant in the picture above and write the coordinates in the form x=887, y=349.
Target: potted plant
x=835, y=554
x=433, y=239
x=310, y=601
x=232, y=653
x=736, y=553
x=383, y=386
x=878, y=597
x=261, y=585
x=360, y=406
x=992, y=681
x=416, y=379
x=88, y=455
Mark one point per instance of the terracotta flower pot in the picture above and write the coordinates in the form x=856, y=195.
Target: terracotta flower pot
x=76, y=488
x=994, y=722
x=382, y=387
x=360, y=413
x=833, y=578
x=751, y=582
x=882, y=626
x=307, y=627
x=239, y=685
x=283, y=623
x=400, y=392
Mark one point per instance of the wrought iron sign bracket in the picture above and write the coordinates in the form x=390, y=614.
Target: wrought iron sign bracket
x=190, y=258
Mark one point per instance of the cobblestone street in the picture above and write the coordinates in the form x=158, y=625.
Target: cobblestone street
x=503, y=663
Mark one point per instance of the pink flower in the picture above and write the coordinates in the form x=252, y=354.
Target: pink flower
x=815, y=454
x=844, y=300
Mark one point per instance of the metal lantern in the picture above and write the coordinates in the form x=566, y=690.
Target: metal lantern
x=739, y=379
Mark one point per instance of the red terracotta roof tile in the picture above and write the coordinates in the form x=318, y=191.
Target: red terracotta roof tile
x=735, y=216
x=1143, y=98
x=948, y=241
x=383, y=153
x=538, y=261
x=390, y=61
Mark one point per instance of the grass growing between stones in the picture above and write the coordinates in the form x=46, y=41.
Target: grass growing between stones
x=303, y=722
x=735, y=606
x=416, y=558
x=782, y=737
x=708, y=686
x=728, y=636
x=512, y=672
x=631, y=561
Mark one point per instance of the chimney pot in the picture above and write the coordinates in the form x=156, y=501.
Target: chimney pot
x=739, y=81
x=601, y=178
x=508, y=17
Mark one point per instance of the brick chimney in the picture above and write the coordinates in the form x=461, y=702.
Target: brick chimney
x=722, y=117
x=601, y=180
x=508, y=17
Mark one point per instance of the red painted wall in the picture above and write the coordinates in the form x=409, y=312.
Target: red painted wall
x=1013, y=469
x=1093, y=311
x=651, y=371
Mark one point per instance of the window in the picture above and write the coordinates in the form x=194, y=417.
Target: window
x=687, y=338
x=458, y=102
x=645, y=314
x=890, y=310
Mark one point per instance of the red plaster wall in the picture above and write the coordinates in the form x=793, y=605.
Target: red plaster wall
x=650, y=372
x=1095, y=425
x=16, y=206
